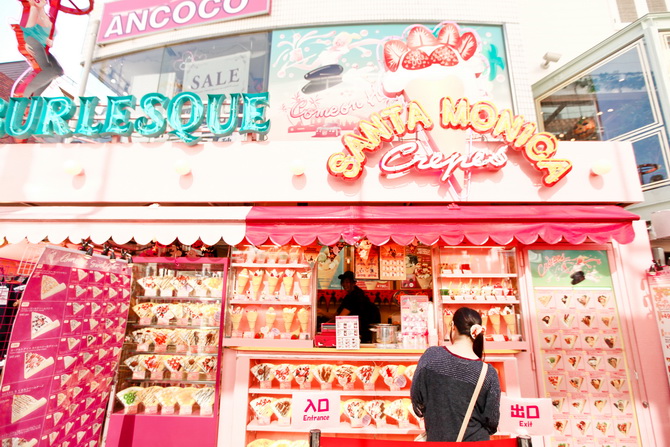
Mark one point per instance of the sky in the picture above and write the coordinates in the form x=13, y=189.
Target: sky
x=68, y=41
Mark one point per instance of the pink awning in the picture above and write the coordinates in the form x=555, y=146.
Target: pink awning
x=449, y=224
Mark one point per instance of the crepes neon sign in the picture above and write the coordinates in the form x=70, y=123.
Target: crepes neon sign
x=538, y=148
x=184, y=114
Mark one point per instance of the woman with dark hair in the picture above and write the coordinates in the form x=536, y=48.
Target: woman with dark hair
x=446, y=379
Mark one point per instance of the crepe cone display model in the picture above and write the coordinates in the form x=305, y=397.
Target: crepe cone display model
x=284, y=375
x=510, y=319
x=270, y=316
x=368, y=375
x=428, y=64
x=288, y=313
x=327, y=269
x=242, y=281
x=303, y=376
x=256, y=281
x=494, y=316
x=236, y=317
x=288, y=282
x=303, y=318
x=304, y=280
x=354, y=409
x=264, y=373
x=252, y=316
x=346, y=376
x=273, y=280
x=324, y=374
x=485, y=318
x=424, y=275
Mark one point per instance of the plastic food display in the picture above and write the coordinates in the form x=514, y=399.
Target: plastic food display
x=368, y=404
x=485, y=279
x=270, y=298
x=170, y=359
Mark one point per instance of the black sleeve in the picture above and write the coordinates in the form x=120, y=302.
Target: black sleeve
x=492, y=408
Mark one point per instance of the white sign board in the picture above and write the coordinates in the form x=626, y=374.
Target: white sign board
x=525, y=416
x=315, y=410
x=219, y=75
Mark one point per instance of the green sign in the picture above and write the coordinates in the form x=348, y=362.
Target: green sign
x=184, y=114
x=570, y=268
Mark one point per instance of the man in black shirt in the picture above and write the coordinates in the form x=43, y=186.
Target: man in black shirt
x=357, y=303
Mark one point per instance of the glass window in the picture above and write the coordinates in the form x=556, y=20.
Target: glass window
x=651, y=164
x=613, y=99
x=223, y=65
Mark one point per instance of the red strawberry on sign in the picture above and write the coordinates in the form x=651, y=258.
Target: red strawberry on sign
x=416, y=60
x=449, y=35
x=393, y=52
x=420, y=36
x=468, y=46
x=444, y=55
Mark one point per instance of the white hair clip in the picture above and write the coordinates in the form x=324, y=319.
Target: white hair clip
x=476, y=329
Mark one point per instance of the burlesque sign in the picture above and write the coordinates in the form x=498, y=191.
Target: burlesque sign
x=184, y=113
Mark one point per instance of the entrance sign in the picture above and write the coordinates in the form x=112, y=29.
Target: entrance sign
x=526, y=416
x=315, y=410
x=132, y=18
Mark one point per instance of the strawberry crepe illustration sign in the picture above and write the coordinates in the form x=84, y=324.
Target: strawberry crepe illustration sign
x=325, y=80
x=437, y=74
x=59, y=367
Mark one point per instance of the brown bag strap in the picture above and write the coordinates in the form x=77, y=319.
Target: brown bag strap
x=480, y=382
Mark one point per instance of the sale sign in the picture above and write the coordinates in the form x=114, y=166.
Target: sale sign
x=525, y=416
x=315, y=410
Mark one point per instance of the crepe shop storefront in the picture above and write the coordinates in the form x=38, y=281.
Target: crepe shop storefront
x=435, y=198
x=548, y=257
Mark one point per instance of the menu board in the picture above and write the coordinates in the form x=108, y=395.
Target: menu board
x=414, y=321
x=63, y=350
x=418, y=270
x=581, y=349
x=392, y=262
x=366, y=260
x=659, y=284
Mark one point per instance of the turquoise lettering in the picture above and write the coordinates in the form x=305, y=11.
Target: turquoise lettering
x=154, y=124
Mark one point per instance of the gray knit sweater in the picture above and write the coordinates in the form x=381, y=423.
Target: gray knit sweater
x=442, y=387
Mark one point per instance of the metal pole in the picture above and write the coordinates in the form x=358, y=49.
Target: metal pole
x=314, y=437
x=524, y=441
x=89, y=46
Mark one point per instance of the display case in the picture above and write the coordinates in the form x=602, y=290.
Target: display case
x=485, y=279
x=371, y=389
x=168, y=378
x=270, y=298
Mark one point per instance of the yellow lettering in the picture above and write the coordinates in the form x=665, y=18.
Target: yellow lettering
x=356, y=144
x=393, y=113
x=417, y=116
x=483, y=117
x=507, y=126
x=554, y=170
x=375, y=131
x=541, y=146
x=526, y=133
x=457, y=118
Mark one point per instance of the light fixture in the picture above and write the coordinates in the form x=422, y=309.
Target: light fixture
x=72, y=167
x=105, y=250
x=601, y=167
x=182, y=167
x=297, y=167
x=548, y=58
x=112, y=256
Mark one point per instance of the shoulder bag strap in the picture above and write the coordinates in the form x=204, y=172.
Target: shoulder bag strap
x=480, y=382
